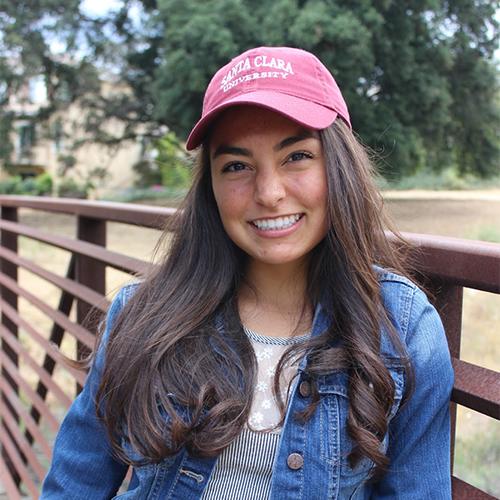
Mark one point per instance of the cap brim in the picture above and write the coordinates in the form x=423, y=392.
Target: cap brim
x=305, y=112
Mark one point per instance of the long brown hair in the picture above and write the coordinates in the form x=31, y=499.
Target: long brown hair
x=173, y=379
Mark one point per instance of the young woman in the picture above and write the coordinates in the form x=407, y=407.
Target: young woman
x=273, y=355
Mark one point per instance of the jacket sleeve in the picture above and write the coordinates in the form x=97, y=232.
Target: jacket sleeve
x=419, y=435
x=83, y=465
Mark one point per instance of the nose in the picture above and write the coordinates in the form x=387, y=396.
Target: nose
x=269, y=188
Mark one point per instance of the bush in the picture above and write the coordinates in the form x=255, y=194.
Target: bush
x=169, y=165
x=69, y=188
x=447, y=179
x=11, y=186
x=34, y=186
x=43, y=184
x=28, y=186
x=171, y=196
x=148, y=172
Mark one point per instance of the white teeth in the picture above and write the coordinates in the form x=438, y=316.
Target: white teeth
x=278, y=223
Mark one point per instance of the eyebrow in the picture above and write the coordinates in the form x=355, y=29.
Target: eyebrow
x=290, y=141
x=225, y=149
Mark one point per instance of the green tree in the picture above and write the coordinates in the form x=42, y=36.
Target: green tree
x=28, y=31
x=74, y=54
x=168, y=166
x=418, y=75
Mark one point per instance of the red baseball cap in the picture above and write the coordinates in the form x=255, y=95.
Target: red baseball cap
x=291, y=81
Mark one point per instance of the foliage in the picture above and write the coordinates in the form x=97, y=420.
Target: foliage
x=429, y=179
x=171, y=196
x=172, y=161
x=447, y=179
x=43, y=184
x=35, y=186
x=79, y=59
x=148, y=174
x=419, y=76
x=70, y=188
x=6, y=146
x=66, y=162
x=168, y=167
x=12, y=185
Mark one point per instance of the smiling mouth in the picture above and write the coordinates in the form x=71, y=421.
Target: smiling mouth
x=278, y=223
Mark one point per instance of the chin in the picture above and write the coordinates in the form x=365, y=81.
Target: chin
x=278, y=260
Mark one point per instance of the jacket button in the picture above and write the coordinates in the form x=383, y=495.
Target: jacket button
x=305, y=389
x=295, y=461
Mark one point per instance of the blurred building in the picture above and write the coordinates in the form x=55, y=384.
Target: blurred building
x=61, y=146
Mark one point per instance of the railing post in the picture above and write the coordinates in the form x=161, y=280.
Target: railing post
x=91, y=273
x=9, y=241
x=449, y=303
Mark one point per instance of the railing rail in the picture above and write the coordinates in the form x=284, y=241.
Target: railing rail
x=32, y=398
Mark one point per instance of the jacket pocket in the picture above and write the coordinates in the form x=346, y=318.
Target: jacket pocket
x=334, y=409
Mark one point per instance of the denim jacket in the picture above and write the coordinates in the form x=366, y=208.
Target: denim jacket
x=417, y=443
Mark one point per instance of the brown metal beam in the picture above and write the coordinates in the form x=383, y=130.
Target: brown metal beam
x=476, y=388
x=30, y=393
x=465, y=491
x=61, y=319
x=44, y=343
x=67, y=284
x=31, y=425
x=45, y=377
x=112, y=259
x=468, y=263
x=139, y=215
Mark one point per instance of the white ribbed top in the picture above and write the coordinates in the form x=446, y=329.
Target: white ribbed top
x=244, y=469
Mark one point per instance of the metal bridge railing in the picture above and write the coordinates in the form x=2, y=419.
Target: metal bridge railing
x=34, y=391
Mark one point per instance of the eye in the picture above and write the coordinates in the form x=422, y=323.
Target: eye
x=233, y=167
x=300, y=155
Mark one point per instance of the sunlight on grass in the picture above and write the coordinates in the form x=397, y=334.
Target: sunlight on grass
x=447, y=179
x=487, y=232
x=480, y=329
x=477, y=454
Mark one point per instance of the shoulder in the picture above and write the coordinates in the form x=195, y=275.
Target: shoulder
x=118, y=303
x=400, y=296
x=420, y=329
x=126, y=291
x=394, y=284
x=122, y=297
x=416, y=321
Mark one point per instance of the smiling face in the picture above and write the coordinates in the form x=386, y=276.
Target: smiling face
x=269, y=181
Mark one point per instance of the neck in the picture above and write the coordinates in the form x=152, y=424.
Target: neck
x=273, y=302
